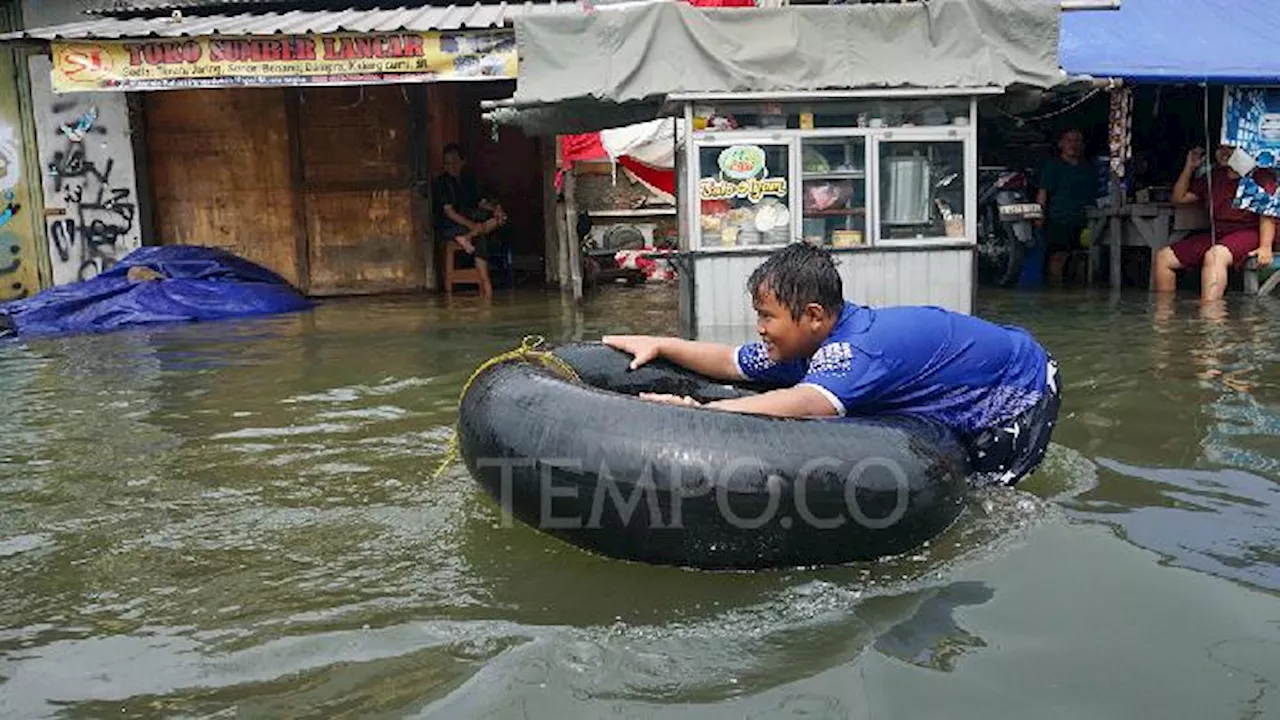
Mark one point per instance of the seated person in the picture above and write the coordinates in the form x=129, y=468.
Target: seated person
x=1239, y=233
x=464, y=215
x=994, y=386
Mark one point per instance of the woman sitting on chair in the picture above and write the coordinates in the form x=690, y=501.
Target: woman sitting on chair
x=464, y=215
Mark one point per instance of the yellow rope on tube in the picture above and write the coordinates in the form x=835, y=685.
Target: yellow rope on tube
x=527, y=351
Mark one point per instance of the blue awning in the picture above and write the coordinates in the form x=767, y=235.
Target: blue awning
x=1218, y=41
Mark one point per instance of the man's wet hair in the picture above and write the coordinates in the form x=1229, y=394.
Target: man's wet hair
x=455, y=149
x=797, y=275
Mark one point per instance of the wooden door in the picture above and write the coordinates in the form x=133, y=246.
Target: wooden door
x=220, y=173
x=356, y=166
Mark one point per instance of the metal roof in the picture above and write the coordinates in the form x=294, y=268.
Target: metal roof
x=107, y=7
x=295, y=22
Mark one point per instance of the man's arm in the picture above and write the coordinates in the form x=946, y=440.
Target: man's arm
x=1266, y=241
x=1042, y=199
x=713, y=360
x=799, y=401
x=1182, y=188
x=459, y=218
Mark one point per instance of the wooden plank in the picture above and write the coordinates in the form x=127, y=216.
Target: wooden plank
x=550, y=229
x=574, y=242
x=355, y=137
x=20, y=245
x=357, y=182
x=442, y=123
x=219, y=165
x=361, y=242
x=293, y=111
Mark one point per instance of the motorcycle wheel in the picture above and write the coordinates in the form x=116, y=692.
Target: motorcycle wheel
x=1013, y=269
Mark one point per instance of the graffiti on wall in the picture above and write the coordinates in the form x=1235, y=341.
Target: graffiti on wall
x=19, y=241
x=89, y=181
x=10, y=246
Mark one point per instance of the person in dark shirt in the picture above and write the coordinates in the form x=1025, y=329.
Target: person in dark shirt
x=1237, y=234
x=1068, y=185
x=463, y=214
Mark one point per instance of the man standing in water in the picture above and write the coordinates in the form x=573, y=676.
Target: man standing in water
x=1067, y=186
x=993, y=385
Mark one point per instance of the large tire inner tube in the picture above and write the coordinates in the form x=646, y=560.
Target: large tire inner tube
x=586, y=461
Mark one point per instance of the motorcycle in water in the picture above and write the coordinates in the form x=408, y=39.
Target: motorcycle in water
x=1006, y=231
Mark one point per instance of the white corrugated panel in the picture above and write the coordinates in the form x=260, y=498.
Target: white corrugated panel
x=297, y=22
x=927, y=276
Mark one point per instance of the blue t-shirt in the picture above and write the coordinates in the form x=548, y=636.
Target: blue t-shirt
x=964, y=372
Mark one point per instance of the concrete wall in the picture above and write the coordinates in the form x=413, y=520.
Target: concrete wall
x=88, y=177
x=86, y=162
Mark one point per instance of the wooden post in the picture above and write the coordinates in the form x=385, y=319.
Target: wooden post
x=293, y=99
x=1116, y=228
x=571, y=226
x=550, y=211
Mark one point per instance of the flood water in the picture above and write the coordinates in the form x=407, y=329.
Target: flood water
x=240, y=520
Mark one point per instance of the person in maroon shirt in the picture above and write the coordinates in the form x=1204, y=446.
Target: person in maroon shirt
x=1237, y=234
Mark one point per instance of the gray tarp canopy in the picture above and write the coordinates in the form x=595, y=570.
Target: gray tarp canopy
x=588, y=71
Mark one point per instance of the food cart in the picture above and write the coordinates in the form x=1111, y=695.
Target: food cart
x=852, y=126
x=884, y=179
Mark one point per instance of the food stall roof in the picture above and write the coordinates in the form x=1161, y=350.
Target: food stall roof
x=615, y=61
x=1170, y=41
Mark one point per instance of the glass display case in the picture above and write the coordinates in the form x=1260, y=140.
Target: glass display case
x=843, y=174
x=744, y=193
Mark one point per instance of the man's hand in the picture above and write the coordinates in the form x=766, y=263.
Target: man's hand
x=670, y=399
x=1195, y=158
x=642, y=348
x=1263, y=256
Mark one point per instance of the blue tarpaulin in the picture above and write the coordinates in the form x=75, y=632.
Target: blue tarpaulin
x=1217, y=41
x=193, y=284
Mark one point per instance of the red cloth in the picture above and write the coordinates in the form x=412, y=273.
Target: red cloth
x=587, y=147
x=1226, y=218
x=664, y=180
x=1190, y=251
x=581, y=148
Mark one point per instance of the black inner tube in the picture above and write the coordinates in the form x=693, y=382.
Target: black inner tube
x=671, y=485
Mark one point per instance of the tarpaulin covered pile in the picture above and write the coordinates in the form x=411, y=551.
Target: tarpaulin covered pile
x=174, y=283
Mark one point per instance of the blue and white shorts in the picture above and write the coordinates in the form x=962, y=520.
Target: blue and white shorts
x=1005, y=454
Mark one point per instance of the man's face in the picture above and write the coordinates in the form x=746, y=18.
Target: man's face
x=453, y=163
x=1071, y=144
x=1223, y=154
x=786, y=337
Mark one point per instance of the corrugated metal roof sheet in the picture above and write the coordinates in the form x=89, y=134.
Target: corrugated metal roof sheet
x=296, y=22
x=107, y=7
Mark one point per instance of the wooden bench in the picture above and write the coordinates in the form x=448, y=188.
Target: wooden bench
x=454, y=275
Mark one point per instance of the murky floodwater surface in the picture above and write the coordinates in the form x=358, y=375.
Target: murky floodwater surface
x=239, y=520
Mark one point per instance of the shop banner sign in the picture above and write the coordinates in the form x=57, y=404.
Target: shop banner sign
x=1251, y=124
x=337, y=59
